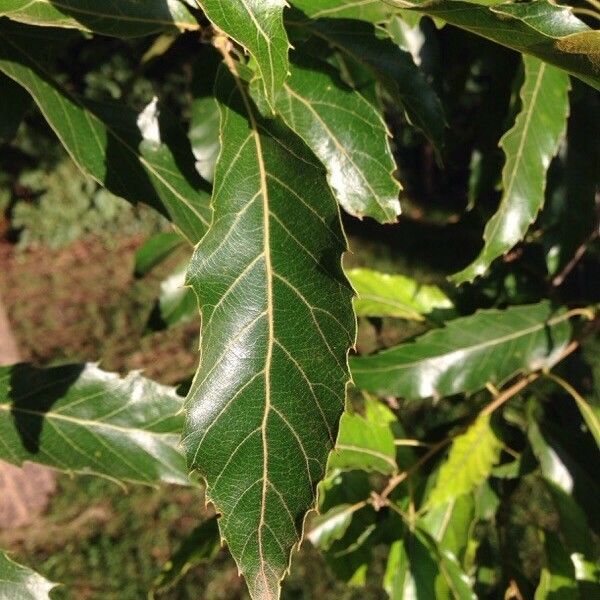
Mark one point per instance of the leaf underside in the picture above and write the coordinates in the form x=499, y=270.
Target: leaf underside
x=263, y=410
x=21, y=583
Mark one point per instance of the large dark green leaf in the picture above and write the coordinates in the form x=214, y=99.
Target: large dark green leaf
x=489, y=346
x=258, y=26
x=138, y=157
x=347, y=134
x=263, y=410
x=79, y=419
x=401, y=78
x=528, y=146
x=122, y=18
x=548, y=31
x=20, y=583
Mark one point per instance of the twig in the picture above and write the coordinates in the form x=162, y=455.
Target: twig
x=558, y=279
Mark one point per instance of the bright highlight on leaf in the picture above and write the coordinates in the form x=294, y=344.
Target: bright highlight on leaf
x=263, y=410
x=21, y=583
x=529, y=147
x=491, y=345
x=385, y=295
x=79, y=419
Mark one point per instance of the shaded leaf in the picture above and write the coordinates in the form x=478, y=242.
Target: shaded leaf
x=347, y=134
x=155, y=250
x=79, y=419
x=176, y=301
x=258, y=26
x=263, y=410
x=200, y=546
x=491, y=345
x=383, y=295
x=470, y=461
x=547, y=31
x=529, y=147
x=105, y=139
x=121, y=18
x=332, y=525
x=366, y=10
x=14, y=103
x=557, y=579
x=21, y=583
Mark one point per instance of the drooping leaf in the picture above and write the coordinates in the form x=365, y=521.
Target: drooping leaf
x=331, y=526
x=545, y=30
x=204, y=120
x=200, y=546
x=557, y=579
x=383, y=295
x=14, y=103
x=79, y=419
x=155, y=250
x=347, y=134
x=528, y=146
x=121, y=18
x=258, y=26
x=176, y=301
x=105, y=139
x=401, y=78
x=491, y=345
x=374, y=11
x=263, y=411
x=470, y=461
x=363, y=445
x=21, y=583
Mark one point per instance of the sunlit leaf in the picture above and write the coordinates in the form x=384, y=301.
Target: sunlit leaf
x=491, y=345
x=528, y=146
x=263, y=410
x=79, y=419
x=21, y=583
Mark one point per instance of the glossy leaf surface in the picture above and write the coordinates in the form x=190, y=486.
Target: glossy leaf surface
x=529, y=147
x=470, y=461
x=79, y=419
x=547, y=31
x=401, y=78
x=21, y=583
x=258, y=26
x=490, y=345
x=263, y=410
x=103, y=139
x=347, y=134
x=366, y=10
x=384, y=295
x=121, y=18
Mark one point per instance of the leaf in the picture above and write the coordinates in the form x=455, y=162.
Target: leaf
x=469, y=462
x=155, y=250
x=14, y=103
x=529, y=147
x=258, y=26
x=79, y=419
x=374, y=11
x=21, y=583
x=383, y=295
x=263, y=410
x=201, y=546
x=105, y=140
x=176, y=302
x=204, y=120
x=347, y=134
x=557, y=579
x=332, y=525
x=403, y=81
x=491, y=345
x=547, y=31
x=363, y=445
x=121, y=18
